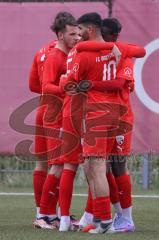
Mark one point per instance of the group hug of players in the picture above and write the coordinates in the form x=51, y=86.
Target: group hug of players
x=84, y=79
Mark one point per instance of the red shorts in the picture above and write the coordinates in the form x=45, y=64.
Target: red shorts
x=53, y=133
x=48, y=129
x=71, y=147
x=96, y=141
x=73, y=129
x=101, y=129
x=122, y=143
x=40, y=140
x=101, y=148
x=103, y=114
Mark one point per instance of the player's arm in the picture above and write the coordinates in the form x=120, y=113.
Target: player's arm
x=126, y=71
x=129, y=50
x=109, y=85
x=94, y=46
x=52, y=69
x=65, y=79
x=124, y=76
x=34, y=78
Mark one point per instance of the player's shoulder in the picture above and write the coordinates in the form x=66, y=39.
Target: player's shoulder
x=42, y=53
x=52, y=44
x=56, y=56
x=43, y=49
x=46, y=48
x=124, y=45
x=121, y=43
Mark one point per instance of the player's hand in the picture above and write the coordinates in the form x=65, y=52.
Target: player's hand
x=63, y=82
x=71, y=88
x=131, y=86
x=117, y=53
x=84, y=86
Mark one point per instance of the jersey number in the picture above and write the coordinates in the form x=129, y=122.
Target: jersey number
x=109, y=71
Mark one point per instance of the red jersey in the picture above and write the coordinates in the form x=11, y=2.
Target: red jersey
x=101, y=109
x=126, y=72
x=55, y=66
x=36, y=71
x=96, y=66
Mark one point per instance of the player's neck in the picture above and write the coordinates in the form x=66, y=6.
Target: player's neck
x=97, y=38
x=60, y=45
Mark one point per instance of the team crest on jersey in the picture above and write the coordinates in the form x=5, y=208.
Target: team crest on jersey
x=75, y=67
x=120, y=139
x=128, y=71
x=43, y=57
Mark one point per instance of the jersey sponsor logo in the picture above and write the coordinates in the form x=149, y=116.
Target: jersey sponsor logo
x=128, y=71
x=120, y=139
x=75, y=67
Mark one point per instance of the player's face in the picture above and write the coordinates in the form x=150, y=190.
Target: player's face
x=71, y=36
x=84, y=32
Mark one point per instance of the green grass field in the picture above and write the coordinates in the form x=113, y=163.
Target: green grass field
x=17, y=214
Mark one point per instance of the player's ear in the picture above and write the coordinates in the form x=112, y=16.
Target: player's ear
x=90, y=29
x=60, y=36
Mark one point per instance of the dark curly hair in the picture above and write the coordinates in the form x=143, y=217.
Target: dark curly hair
x=91, y=18
x=61, y=20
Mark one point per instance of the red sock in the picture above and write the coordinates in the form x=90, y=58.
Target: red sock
x=124, y=186
x=66, y=189
x=101, y=208
x=114, y=193
x=52, y=206
x=39, y=178
x=89, y=203
x=49, y=195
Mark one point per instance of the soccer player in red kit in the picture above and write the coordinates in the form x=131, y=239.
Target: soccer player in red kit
x=76, y=69
x=35, y=85
x=71, y=164
x=67, y=33
x=72, y=147
x=123, y=220
x=122, y=146
x=112, y=30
